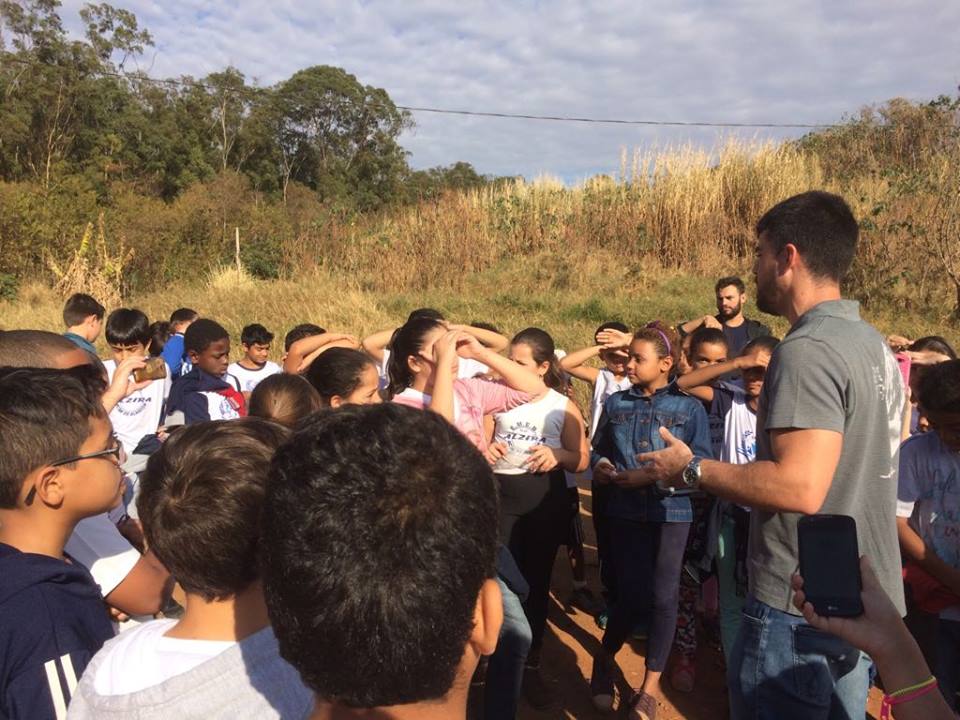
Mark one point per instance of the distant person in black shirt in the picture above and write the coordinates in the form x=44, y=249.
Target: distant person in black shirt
x=731, y=296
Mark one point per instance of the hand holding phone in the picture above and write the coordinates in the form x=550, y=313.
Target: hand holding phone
x=830, y=564
x=154, y=369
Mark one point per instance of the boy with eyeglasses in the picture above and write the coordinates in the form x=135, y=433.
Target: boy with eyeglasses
x=59, y=463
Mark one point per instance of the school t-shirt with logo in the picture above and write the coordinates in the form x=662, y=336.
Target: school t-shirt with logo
x=138, y=414
x=248, y=378
x=534, y=423
x=929, y=494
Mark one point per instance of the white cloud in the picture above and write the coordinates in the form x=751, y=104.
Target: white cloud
x=785, y=61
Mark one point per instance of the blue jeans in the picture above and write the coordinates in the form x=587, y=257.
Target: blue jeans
x=505, y=668
x=783, y=669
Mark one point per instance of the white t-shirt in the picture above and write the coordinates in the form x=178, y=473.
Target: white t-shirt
x=140, y=413
x=97, y=545
x=605, y=386
x=739, y=431
x=248, y=378
x=466, y=368
x=534, y=423
x=928, y=493
x=144, y=657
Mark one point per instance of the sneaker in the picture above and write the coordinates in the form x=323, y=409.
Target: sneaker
x=538, y=694
x=640, y=631
x=584, y=599
x=602, y=619
x=601, y=684
x=643, y=706
x=684, y=674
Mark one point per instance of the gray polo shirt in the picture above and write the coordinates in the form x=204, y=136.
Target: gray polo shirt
x=833, y=371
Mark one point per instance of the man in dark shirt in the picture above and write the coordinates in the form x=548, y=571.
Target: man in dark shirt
x=731, y=296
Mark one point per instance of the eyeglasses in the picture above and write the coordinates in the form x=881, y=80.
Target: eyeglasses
x=119, y=457
x=116, y=451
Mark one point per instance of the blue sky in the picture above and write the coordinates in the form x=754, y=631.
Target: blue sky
x=782, y=61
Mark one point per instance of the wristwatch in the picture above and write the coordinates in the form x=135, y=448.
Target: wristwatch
x=690, y=477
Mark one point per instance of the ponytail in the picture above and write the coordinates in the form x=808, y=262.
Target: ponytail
x=407, y=340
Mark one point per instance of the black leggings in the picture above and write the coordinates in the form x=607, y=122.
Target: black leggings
x=534, y=519
x=647, y=559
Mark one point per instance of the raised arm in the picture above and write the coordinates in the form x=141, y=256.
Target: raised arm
x=441, y=396
x=301, y=349
x=493, y=340
x=375, y=344
x=573, y=363
x=512, y=374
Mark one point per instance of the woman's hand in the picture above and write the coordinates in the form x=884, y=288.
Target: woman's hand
x=542, y=459
x=494, y=452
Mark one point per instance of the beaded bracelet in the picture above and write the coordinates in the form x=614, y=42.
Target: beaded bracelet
x=905, y=695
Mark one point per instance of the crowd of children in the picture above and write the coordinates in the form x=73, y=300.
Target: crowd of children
x=333, y=552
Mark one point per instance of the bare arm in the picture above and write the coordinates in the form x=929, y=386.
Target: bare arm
x=487, y=338
x=144, y=590
x=512, y=374
x=914, y=548
x=574, y=453
x=375, y=344
x=441, y=397
x=301, y=349
x=573, y=363
x=797, y=481
x=693, y=325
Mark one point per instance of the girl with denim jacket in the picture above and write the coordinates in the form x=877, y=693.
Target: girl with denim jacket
x=647, y=530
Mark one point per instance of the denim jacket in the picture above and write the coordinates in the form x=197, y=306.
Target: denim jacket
x=630, y=424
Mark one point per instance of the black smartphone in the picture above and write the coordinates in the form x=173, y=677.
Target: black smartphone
x=830, y=564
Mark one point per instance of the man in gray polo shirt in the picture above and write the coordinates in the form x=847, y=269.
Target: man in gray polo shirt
x=828, y=433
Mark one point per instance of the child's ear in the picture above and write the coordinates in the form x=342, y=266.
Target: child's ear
x=48, y=487
x=414, y=364
x=193, y=355
x=487, y=618
x=336, y=401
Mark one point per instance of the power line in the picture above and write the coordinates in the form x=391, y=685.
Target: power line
x=471, y=113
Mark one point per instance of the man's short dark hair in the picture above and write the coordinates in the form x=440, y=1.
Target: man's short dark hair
x=202, y=334
x=32, y=348
x=128, y=326
x=79, y=307
x=822, y=228
x=299, y=332
x=727, y=282
x=44, y=417
x=707, y=336
x=255, y=334
x=200, y=501
x=379, y=531
x=940, y=387
x=182, y=315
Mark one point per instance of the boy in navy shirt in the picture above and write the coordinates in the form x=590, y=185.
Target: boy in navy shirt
x=208, y=391
x=59, y=463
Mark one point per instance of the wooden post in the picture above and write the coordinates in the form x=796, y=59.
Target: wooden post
x=236, y=240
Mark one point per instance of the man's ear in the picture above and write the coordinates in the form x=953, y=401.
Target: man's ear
x=789, y=258
x=48, y=487
x=487, y=618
